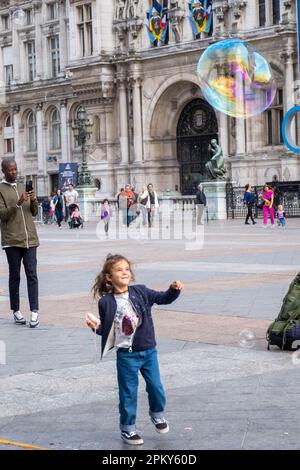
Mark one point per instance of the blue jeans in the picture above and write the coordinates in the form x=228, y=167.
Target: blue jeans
x=128, y=366
x=281, y=221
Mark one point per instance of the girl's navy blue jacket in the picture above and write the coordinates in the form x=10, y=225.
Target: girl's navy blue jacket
x=142, y=300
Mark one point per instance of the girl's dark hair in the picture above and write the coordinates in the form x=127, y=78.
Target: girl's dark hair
x=247, y=187
x=102, y=286
x=105, y=200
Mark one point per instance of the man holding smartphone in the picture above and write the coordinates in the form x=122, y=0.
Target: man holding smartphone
x=19, y=239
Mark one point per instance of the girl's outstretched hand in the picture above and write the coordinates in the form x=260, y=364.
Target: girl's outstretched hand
x=177, y=285
x=92, y=321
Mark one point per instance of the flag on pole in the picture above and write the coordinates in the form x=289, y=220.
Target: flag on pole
x=156, y=23
x=200, y=16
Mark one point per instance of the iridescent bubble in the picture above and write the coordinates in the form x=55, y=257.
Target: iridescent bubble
x=18, y=16
x=247, y=339
x=235, y=79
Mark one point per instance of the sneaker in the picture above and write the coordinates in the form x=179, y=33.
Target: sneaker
x=34, y=321
x=161, y=425
x=19, y=319
x=131, y=438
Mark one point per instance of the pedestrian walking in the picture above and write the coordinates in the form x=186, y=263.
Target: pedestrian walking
x=249, y=201
x=58, y=207
x=200, y=202
x=106, y=215
x=126, y=324
x=152, y=204
x=281, y=222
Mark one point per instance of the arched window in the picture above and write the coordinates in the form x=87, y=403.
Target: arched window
x=55, y=130
x=31, y=126
x=8, y=136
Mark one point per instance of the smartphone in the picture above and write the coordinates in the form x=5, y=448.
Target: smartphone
x=29, y=186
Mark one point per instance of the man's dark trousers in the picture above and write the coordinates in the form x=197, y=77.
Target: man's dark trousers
x=14, y=257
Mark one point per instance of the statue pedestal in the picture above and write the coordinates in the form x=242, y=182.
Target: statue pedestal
x=215, y=192
x=86, y=197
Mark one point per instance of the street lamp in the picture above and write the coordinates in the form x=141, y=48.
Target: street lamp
x=82, y=129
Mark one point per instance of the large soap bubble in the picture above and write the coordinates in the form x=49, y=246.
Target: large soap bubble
x=236, y=80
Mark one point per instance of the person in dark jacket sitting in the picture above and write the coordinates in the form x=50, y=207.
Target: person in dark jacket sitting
x=126, y=324
x=200, y=203
x=249, y=200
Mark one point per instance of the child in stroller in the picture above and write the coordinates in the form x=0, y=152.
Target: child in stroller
x=76, y=220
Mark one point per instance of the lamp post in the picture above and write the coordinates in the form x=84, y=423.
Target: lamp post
x=82, y=131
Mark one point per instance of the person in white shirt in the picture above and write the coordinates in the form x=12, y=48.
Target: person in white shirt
x=71, y=197
x=152, y=204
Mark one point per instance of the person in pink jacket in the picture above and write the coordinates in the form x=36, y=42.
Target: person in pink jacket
x=268, y=208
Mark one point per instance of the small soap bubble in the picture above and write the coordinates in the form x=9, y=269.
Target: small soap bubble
x=247, y=339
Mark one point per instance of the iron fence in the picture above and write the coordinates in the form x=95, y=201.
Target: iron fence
x=285, y=193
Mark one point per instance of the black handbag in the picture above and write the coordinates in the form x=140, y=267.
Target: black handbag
x=260, y=205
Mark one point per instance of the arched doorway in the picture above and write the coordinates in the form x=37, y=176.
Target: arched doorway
x=196, y=127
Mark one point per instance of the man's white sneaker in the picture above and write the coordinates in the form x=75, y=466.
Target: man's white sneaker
x=34, y=320
x=19, y=319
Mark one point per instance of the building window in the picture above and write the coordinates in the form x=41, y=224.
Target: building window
x=8, y=64
x=55, y=59
x=262, y=12
x=55, y=130
x=276, y=11
x=52, y=11
x=274, y=120
x=8, y=139
x=31, y=126
x=28, y=17
x=85, y=29
x=31, y=60
x=6, y=22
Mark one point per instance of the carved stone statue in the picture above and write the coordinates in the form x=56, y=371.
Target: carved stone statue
x=132, y=9
x=215, y=166
x=121, y=10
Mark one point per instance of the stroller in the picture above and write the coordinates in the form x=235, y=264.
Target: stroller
x=75, y=222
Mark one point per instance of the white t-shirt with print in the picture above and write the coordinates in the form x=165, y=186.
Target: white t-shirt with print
x=71, y=197
x=126, y=321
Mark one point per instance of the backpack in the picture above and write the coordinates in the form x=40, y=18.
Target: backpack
x=284, y=332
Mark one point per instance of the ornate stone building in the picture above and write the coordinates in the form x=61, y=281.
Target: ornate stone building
x=150, y=121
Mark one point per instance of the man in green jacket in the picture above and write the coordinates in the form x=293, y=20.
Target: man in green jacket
x=19, y=239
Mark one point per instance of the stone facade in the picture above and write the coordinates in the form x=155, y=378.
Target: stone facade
x=134, y=94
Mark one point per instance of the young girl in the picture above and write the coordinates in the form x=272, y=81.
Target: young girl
x=281, y=216
x=76, y=218
x=105, y=215
x=126, y=324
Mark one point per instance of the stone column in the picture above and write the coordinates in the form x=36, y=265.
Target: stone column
x=16, y=52
x=223, y=131
x=287, y=56
x=17, y=143
x=240, y=137
x=123, y=117
x=40, y=150
x=65, y=157
x=62, y=36
x=39, y=42
x=137, y=119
